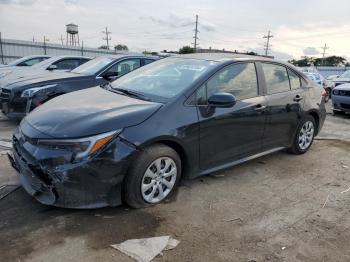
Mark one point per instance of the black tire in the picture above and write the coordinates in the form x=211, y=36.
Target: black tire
x=295, y=148
x=336, y=112
x=132, y=194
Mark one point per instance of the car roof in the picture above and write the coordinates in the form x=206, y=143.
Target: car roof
x=224, y=57
x=118, y=56
x=221, y=57
x=70, y=56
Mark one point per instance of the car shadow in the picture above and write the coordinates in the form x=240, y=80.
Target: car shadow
x=22, y=217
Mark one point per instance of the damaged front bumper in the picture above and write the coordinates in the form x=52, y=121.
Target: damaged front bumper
x=50, y=177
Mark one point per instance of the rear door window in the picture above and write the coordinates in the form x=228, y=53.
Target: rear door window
x=276, y=78
x=295, y=82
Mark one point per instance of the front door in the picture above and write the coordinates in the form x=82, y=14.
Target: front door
x=229, y=134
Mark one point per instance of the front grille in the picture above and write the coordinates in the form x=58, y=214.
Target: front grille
x=30, y=162
x=5, y=95
x=344, y=93
x=346, y=106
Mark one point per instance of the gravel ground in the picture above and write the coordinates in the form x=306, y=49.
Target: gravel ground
x=277, y=208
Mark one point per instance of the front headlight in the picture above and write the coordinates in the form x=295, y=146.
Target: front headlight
x=31, y=91
x=81, y=147
x=335, y=92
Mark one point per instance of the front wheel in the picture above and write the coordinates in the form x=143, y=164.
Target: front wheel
x=153, y=176
x=304, y=136
x=336, y=112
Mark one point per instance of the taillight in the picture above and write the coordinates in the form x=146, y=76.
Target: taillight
x=324, y=93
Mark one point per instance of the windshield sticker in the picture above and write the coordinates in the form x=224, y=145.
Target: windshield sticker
x=192, y=67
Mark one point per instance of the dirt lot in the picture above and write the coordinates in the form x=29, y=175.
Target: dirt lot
x=277, y=208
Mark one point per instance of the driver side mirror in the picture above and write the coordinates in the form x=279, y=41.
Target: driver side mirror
x=109, y=76
x=223, y=100
x=52, y=67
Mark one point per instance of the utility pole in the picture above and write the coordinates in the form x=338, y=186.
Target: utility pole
x=195, y=44
x=45, y=40
x=107, y=38
x=82, y=48
x=62, y=39
x=2, y=51
x=325, y=47
x=267, y=45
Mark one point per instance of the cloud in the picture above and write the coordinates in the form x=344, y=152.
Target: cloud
x=207, y=27
x=172, y=21
x=311, y=51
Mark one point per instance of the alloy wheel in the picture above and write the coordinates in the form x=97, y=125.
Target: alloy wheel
x=158, y=180
x=306, y=135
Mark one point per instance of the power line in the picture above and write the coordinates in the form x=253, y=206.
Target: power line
x=267, y=45
x=195, y=44
x=107, y=38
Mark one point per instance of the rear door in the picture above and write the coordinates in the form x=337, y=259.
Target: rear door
x=229, y=134
x=285, y=99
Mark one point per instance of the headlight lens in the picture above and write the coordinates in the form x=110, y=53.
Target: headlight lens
x=335, y=92
x=82, y=147
x=31, y=91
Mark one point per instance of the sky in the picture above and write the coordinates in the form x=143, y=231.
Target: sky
x=298, y=27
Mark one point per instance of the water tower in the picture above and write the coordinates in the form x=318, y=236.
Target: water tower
x=72, y=35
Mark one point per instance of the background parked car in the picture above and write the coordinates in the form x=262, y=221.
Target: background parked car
x=182, y=116
x=341, y=99
x=20, y=63
x=342, y=79
x=20, y=96
x=313, y=75
x=26, y=61
x=65, y=63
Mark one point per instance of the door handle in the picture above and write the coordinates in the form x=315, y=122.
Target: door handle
x=297, y=98
x=260, y=107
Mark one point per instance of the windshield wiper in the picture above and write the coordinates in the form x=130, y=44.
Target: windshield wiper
x=128, y=93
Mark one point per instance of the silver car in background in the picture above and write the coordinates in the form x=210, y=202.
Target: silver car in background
x=341, y=99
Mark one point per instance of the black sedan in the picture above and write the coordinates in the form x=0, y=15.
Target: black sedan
x=180, y=117
x=21, y=95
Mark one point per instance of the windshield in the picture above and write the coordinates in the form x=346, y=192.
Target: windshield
x=346, y=74
x=164, y=78
x=93, y=66
x=17, y=61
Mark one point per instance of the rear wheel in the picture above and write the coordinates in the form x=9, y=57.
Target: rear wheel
x=304, y=136
x=153, y=176
x=337, y=112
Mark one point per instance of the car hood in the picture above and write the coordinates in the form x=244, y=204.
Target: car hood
x=89, y=112
x=343, y=87
x=342, y=79
x=24, y=80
